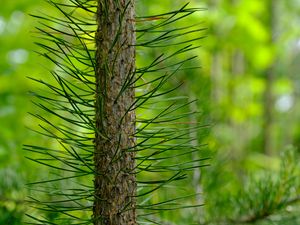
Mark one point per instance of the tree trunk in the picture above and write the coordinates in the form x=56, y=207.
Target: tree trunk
x=268, y=142
x=115, y=182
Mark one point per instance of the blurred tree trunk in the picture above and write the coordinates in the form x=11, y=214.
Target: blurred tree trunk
x=236, y=68
x=194, y=136
x=115, y=182
x=269, y=81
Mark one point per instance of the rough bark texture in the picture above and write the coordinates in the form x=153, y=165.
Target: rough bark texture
x=115, y=183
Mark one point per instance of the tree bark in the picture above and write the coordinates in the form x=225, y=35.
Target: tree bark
x=114, y=160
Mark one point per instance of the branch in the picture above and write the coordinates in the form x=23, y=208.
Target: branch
x=254, y=218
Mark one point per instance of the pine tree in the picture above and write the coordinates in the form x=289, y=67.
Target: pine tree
x=115, y=182
x=106, y=162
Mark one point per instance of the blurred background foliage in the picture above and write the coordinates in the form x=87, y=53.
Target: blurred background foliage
x=247, y=91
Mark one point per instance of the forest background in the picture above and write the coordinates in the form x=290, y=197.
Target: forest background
x=247, y=90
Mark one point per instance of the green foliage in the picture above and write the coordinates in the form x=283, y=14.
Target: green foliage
x=230, y=89
x=11, y=217
x=264, y=197
x=164, y=150
x=10, y=193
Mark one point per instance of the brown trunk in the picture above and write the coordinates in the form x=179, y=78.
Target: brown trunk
x=115, y=183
